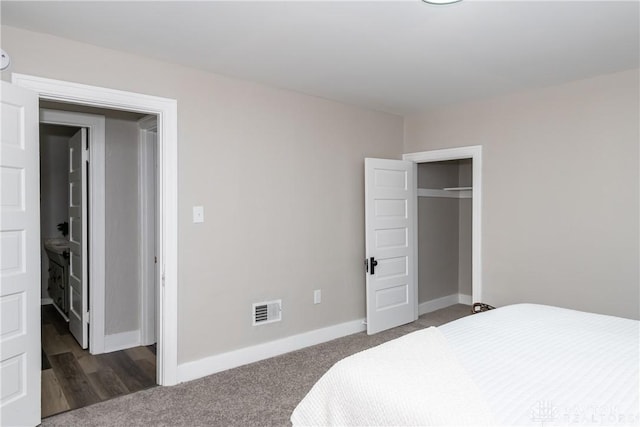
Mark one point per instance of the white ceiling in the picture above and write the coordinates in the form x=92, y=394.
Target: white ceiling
x=397, y=56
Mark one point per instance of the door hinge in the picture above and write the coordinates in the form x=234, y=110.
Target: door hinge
x=155, y=259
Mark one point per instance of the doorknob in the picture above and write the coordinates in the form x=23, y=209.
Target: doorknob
x=373, y=263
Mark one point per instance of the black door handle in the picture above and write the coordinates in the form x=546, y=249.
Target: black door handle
x=373, y=263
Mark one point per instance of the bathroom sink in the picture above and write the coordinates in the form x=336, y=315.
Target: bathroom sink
x=57, y=249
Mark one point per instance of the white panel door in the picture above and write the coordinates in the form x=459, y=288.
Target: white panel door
x=19, y=258
x=78, y=304
x=390, y=221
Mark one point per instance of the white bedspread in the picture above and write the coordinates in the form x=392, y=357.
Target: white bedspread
x=523, y=364
x=413, y=380
x=546, y=366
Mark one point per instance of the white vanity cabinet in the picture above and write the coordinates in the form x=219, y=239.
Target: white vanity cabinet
x=58, y=281
x=57, y=286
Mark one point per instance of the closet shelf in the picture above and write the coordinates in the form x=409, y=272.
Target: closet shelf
x=457, y=188
x=451, y=193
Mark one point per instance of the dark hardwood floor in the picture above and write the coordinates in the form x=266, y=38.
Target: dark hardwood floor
x=73, y=378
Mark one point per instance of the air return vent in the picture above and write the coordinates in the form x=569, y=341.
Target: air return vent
x=267, y=312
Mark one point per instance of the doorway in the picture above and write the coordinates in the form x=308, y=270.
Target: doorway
x=472, y=155
x=120, y=358
x=167, y=143
x=444, y=234
x=391, y=235
x=21, y=359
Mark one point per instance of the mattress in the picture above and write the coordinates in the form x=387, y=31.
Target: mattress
x=525, y=364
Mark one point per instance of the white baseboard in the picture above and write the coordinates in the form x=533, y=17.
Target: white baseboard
x=437, y=304
x=464, y=299
x=221, y=362
x=46, y=301
x=443, y=302
x=121, y=341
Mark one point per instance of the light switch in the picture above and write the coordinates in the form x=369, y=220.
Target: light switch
x=198, y=214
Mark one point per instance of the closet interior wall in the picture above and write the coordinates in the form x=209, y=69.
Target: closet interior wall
x=444, y=229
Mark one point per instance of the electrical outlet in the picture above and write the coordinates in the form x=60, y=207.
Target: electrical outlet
x=317, y=296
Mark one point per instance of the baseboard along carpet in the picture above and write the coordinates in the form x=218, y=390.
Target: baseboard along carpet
x=260, y=394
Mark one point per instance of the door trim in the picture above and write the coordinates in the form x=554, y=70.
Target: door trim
x=167, y=112
x=473, y=152
x=147, y=248
x=96, y=125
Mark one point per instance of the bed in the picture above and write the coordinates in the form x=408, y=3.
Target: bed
x=523, y=364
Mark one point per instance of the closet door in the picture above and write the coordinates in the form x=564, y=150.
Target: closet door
x=390, y=221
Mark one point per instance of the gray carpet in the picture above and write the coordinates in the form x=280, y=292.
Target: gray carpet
x=260, y=394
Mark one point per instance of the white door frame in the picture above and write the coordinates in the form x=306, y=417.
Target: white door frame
x=147, y=208
x=96, y=248
x=166, y=111
x=473, y=152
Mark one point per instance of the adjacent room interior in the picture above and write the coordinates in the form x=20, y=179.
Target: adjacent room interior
x=76, y=375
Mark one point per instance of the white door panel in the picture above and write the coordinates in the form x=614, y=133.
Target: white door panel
x=390, y=215
x=78, y=304
x=19, y=258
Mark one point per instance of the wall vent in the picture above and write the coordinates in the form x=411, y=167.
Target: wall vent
x=267, y=312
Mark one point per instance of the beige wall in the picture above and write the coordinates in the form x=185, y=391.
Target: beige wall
x=560, y=190
x=280, y=176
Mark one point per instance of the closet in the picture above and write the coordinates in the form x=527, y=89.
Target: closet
x=444, y=232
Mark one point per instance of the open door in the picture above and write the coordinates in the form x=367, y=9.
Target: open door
x=19, y=258
x=78, y=304
x=390, y=221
